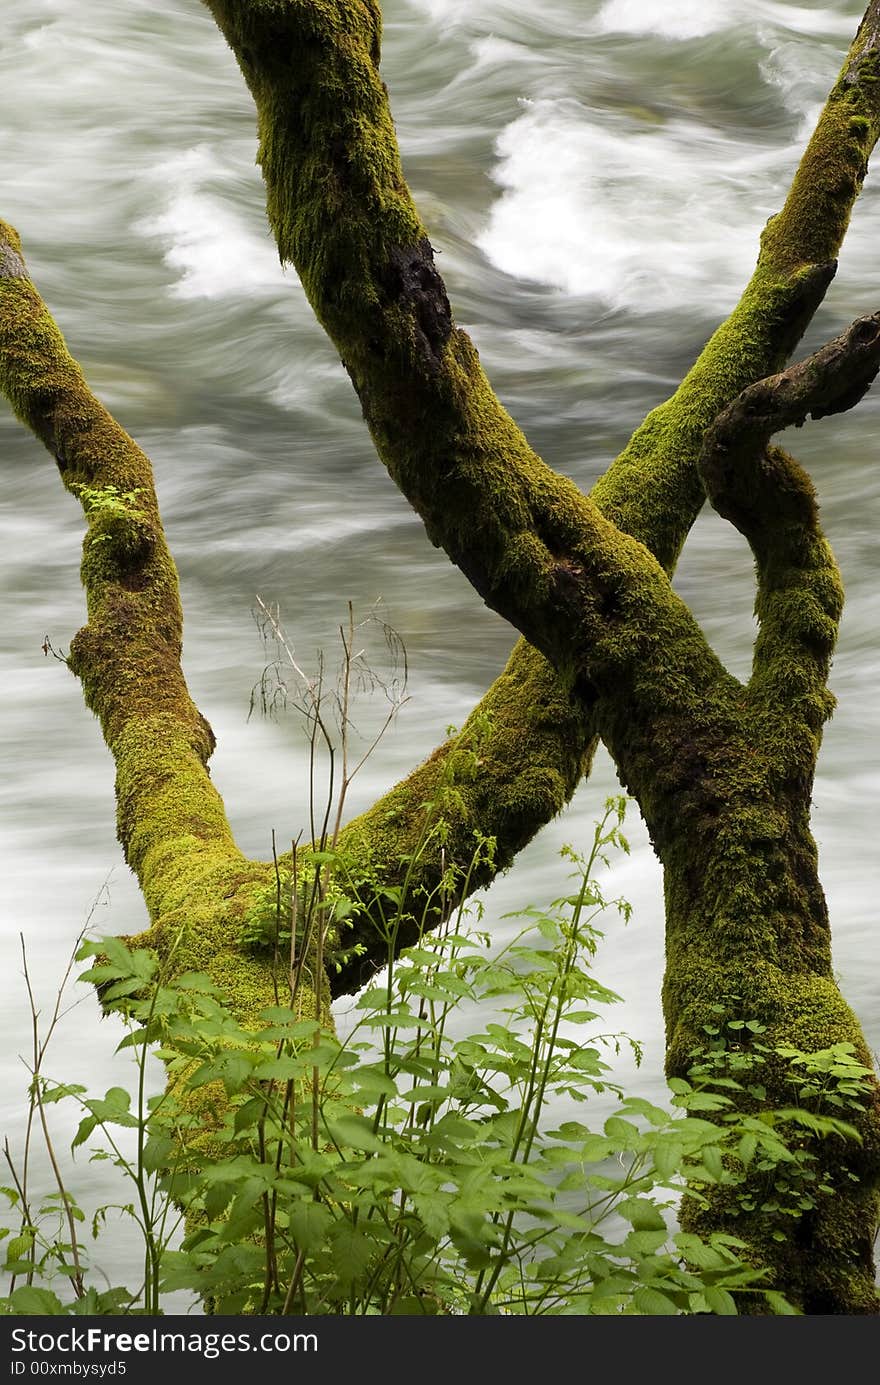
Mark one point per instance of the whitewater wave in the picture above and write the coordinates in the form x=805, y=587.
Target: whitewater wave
x=638, y=219
x=207, y=242
x=690, y=19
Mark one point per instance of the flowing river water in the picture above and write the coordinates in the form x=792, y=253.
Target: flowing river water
x=594, y=176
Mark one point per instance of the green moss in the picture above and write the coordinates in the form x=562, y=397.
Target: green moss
x=727, y=817
x=819, y=1251
x=172, y=825
x=513, y=766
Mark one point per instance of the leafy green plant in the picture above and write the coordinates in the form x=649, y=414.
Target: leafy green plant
x=434, y=1160
x=404, y=1170
x=775, y=1168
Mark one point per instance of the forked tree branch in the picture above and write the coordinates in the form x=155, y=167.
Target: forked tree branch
x=171, y=822
x=772, y=502
x=327, y=146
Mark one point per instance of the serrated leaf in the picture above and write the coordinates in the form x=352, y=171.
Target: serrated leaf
x=654, y=1304
x=639, y=1106
x=49, y=1095
x=351, y=1253
x=713, y=1162
x=354, y=1132
x=157, y=1152
x=83, y=1131
x=113, y=1108
x=720, y=1302
x=668, y=1156
x=642, y=1215
x=780, y=1304
x=19, y=1246
x=624, y=1134
x=433, y=1212
x=233, y=1069
x=217, y=1199
x=369, y=1084
x=309, y=1223
x=639, y=1243
x=249, y=1113
x=35, y=1302
x=284, y=1069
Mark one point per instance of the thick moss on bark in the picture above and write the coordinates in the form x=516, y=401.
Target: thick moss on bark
x=326, y=141
x=516, y=763
x=171, y=822
x=725, y=798
x=728, y=817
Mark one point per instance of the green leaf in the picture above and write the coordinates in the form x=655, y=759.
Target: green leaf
x=720, y=1302
x=698, y=1254
x=351, y=1253
x=668, y=1153
x=654, y=1304
x=49, y=1095
x=113, y=1108
x=433, y=1212
x=713, y=1162
x=233, y=1069
x=638, y=1106
x=35, y=1302
x=642, y=1215
x=639, y=1243
x=18, y=1247
x=83, y=1131
x=369, y=1083
x=354, y=1132
x=780, y=1304
x=285, y=1069
x=158, y=1153
x=703, y=1101
x=218, y=1198
x=309, y=1224
x=624, y=1134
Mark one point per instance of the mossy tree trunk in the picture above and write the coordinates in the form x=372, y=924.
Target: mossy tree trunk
x=722, y=771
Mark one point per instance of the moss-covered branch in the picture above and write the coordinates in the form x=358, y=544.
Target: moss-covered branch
x=772, y=502
x=585, y=579
x=747, y=923
x=171, y=821
x=513, y=766
x=341, y=213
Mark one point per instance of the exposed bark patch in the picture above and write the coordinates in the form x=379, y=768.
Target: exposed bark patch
x=11, y=264
x=569, y=577
x=870, y=29
x=411, y=280
x=800, y=303
x=133, y=579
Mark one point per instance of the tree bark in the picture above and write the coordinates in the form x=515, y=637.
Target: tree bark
x=725, y=801
x=722, y=771
x=538, y=735
x=171, y=822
